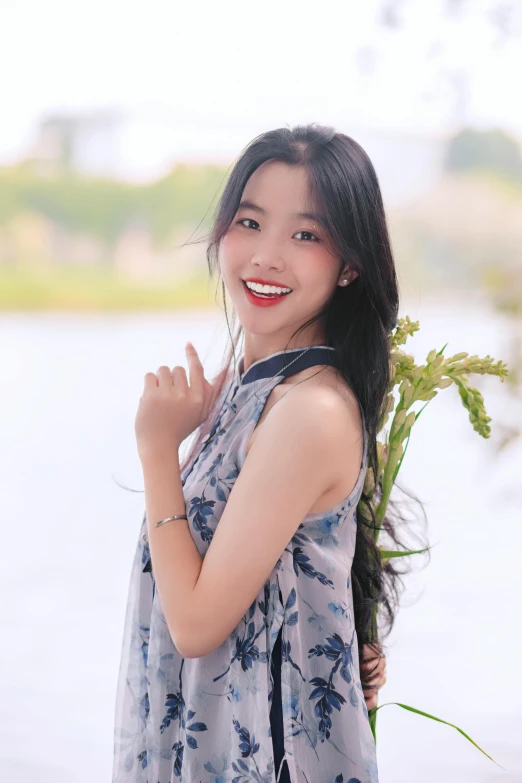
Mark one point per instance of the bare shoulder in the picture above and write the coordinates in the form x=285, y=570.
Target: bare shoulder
x=303, y=395
x=297, y=444
x=328, y=393
x=327, y=405
x=320, y=409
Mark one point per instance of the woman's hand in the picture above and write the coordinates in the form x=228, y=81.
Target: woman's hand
x=170, y=409
x=373, y=673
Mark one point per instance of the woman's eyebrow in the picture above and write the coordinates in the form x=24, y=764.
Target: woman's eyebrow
x=247, y=204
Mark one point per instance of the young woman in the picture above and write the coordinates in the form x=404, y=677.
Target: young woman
x=244, y=641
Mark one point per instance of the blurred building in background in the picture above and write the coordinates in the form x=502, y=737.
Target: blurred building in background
x=87, y=143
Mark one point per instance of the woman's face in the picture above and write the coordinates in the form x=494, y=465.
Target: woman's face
x=269, y=241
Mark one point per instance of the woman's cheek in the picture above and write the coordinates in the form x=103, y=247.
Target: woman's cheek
x=329, y=267
x=231, y=248
x=318, y=270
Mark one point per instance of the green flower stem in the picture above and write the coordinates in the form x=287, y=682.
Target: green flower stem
x=419, y=383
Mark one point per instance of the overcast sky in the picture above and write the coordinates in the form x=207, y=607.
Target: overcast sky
x=217, y=73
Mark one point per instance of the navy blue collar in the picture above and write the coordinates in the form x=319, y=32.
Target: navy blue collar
x=275, y=363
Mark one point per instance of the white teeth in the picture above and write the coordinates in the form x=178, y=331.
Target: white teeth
x=267, y=289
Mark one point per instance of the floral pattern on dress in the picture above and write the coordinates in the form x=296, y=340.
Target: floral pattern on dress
x=207, y=719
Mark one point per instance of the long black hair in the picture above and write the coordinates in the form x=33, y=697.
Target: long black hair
x=357, y=320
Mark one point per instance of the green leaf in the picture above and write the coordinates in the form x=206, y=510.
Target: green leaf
x=394, y=553
x=372, y=717
x=419, y=412
x=426, y=715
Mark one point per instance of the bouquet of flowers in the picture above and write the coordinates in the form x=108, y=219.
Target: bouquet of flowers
x=419, y=383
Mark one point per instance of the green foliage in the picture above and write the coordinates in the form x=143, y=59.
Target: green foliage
x=432, y=717
x=419, y=383
x=97, y=289
x=103, y=207
x=492, y=150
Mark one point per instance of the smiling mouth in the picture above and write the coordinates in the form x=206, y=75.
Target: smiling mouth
x=264, y=296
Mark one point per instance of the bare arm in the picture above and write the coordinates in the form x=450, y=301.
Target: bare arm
x=288, y=467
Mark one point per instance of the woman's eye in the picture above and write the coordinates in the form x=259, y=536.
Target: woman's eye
x=309, y=233
x=256, y=226
x=241, y=222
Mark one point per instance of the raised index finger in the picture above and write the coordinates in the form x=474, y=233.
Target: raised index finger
x=196, y=373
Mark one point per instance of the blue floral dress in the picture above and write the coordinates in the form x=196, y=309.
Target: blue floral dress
x=207, y=719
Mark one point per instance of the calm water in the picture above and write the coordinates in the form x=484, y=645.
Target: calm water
x=69, y=390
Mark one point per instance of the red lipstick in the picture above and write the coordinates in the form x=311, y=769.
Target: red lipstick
x=264, y=301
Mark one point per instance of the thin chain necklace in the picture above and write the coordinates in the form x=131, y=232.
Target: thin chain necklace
x=259, y=391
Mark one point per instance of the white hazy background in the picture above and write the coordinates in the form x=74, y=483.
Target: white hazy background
x=197, y=82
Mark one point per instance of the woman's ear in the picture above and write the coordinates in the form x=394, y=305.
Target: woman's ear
x=347, y=276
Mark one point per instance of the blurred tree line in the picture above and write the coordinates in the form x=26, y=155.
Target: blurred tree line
x=453, y=234
x=467, y=226
x=464, y=232
x=57, y=221
x=103, y=207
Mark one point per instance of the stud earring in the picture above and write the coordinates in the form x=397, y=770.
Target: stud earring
x=344, y=282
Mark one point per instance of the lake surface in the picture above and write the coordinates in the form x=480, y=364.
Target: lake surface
x=69, y=391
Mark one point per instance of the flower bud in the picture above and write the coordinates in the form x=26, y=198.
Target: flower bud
x=398, y=421
x=408, y=396
x=428, y=395
x=404, y=386
x=410, y=420
x=458, y=356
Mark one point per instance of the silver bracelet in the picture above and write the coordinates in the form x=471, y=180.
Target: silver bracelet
x=168, y=519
